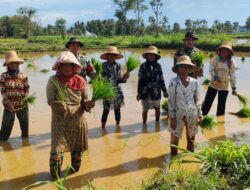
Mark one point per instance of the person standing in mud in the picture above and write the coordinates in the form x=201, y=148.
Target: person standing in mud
x=222, y=70
x=66, y=95
x=112, y=71
x=184, y=104
x=74, y=46
x=14, y=88
x=189, y=49
x=151, y=83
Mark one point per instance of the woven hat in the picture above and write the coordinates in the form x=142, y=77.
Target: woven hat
x=190, y=35
x=67, y=57
x=73, y=40
x=184, y=60
x=151, y=49
x=111, y=50
x=226, y=44
x=11, y=56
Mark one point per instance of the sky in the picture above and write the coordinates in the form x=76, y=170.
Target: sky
x=175, y=10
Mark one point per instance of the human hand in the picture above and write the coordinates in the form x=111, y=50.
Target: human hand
x=126, y=76
x=89, y=105
x=234, y=92
x=165, y=94
x=138, y=97
x=9, y=107
x=61, y=106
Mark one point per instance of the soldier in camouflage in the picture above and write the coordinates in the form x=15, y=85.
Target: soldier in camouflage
x=74, y=45
x=189, y=49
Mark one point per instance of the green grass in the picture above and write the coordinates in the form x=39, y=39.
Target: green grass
x=61, y=90
x=243, y=113
x=206, y=81
x=97, y=65
x=44, y=71
x=198, y=58
x=172, y=41
x=208, y=122
x=132, y=63
x=230, y=160
x=31, y=99
x=103, y=89
x=164, y=106
x=183, y=180
x=244, y=101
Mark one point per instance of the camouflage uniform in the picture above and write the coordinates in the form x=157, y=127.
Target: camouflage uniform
x=189, y=52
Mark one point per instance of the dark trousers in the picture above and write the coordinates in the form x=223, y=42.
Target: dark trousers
x=222, y=98
x=106, y=113
x=8, y=122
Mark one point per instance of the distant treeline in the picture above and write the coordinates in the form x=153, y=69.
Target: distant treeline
x=26, y=23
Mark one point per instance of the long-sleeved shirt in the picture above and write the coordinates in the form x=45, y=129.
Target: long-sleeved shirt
x=14, y=89
x=184, y=102
x=220, y=70
x=151, y=81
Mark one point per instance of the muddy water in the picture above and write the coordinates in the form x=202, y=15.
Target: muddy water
x=117, y=157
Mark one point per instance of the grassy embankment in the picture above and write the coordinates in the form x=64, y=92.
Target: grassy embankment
x=56, y=43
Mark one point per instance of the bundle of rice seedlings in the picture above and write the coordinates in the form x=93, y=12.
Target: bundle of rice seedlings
x=31, y=99
x=243, y=100
x=61, y=89
x=243, y=113
x=164, y=105
x=243, y=59
x=132, y=63
x=211, y=55
x=198, y=58
x=97, y=65
x=206, y=81
x=44, y=71
x=31, y=66
x=208, y=122
x=103, y=89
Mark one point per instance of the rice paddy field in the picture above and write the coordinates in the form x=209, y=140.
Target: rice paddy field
x=118, y=157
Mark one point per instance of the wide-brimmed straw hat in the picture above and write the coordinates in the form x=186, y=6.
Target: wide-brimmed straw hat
x=111, y=50
x=11, y=56
x=184, y=60
x=228, y=45
x=191, y=35
x=67, y=57
x=73, y=40
x=153, y=50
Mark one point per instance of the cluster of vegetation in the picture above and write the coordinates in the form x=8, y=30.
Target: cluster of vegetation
x=225, y=165
x=245, y=111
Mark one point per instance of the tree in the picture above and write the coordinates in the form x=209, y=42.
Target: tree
x=138, y=7
x=189, y=25
x=176, y=27
x=165, y=28
x=228, y=27
x=248, y=22
x=60, y=27
x=28, y=13
x=156, y=6
x=121, y=13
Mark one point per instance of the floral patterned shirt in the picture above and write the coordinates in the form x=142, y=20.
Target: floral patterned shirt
x=151, y=81
x=184, y=102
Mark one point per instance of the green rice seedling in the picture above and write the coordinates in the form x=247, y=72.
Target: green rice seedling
x=30, y=66
x=44, y=71
x=132, y=63
x=243, y=59
x=164, y=105
x=211, y=55
x=243, y=113
x=198, y=58
x=61, y=90
x=103, y=89
x=231, y=160
x=206, y=81
x=208, y=122
x=98, y=66
x=31, y=99
x=243, y=100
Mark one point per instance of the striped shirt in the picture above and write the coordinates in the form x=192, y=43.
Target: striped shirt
x=14, y=89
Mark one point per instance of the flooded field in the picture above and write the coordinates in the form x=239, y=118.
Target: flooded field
x=118, y=157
